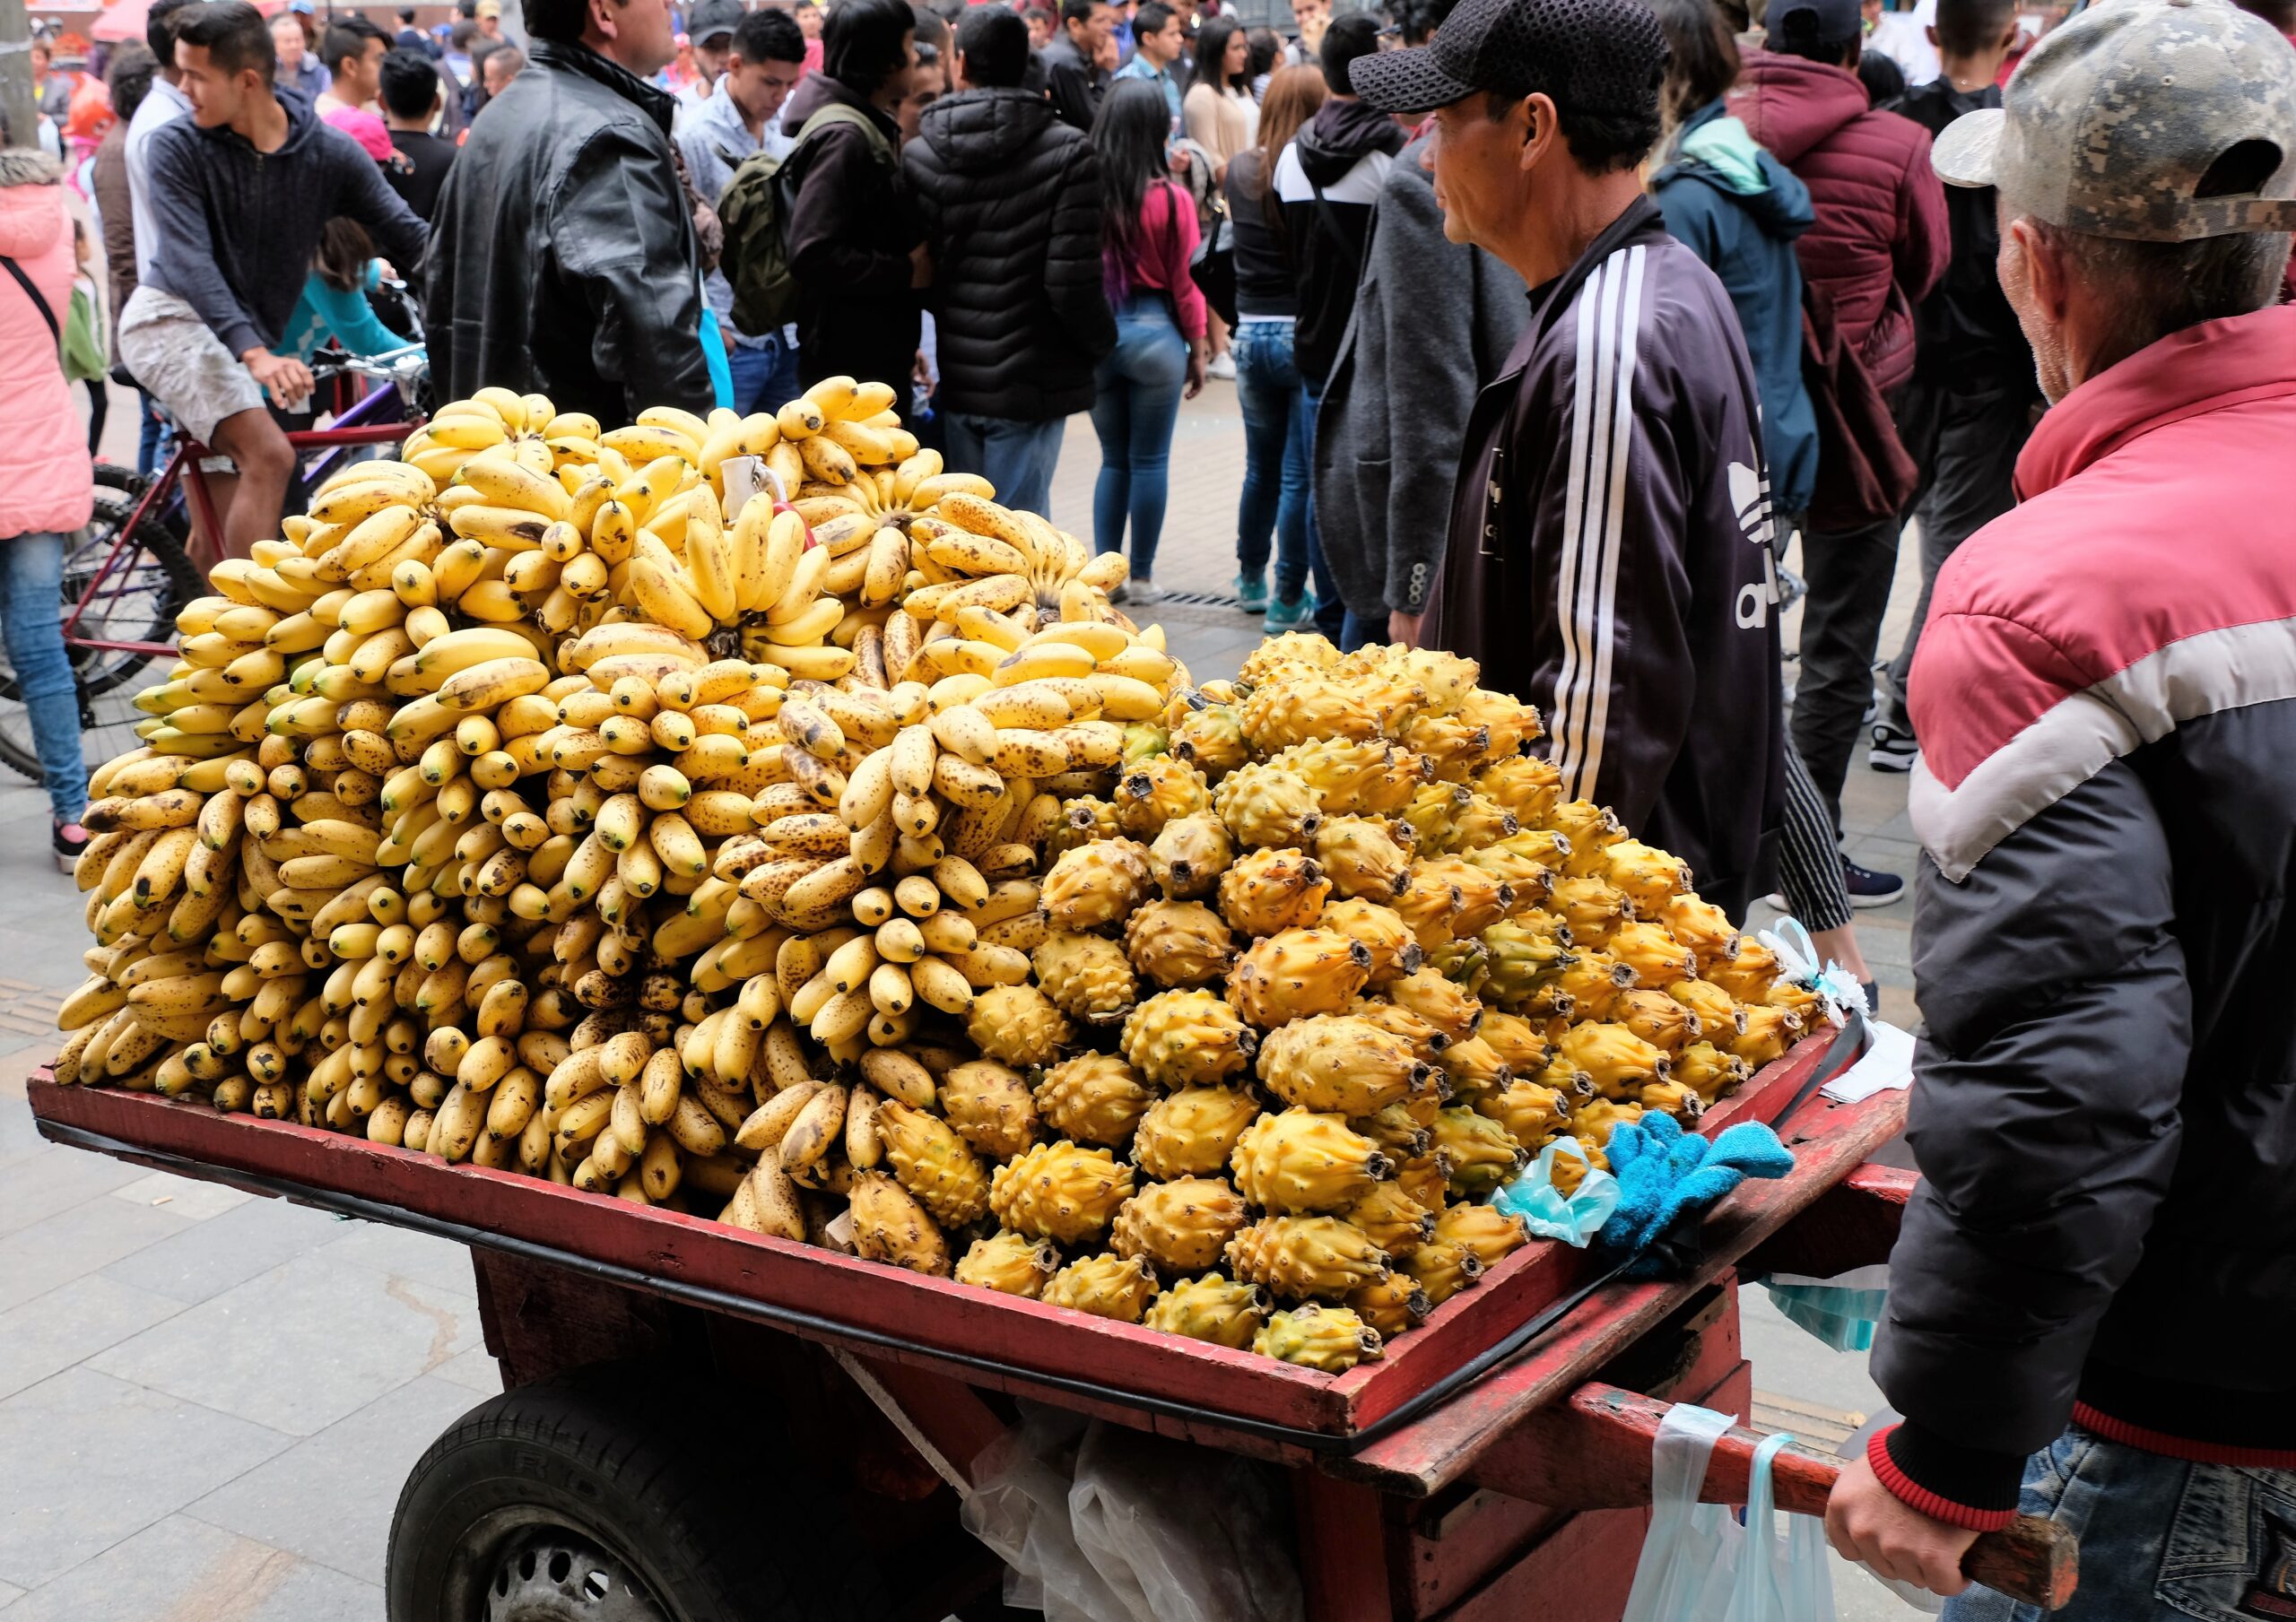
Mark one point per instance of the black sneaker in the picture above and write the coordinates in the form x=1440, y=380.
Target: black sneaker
x=1893, y=750
x=1869, y=889
x=69, y=839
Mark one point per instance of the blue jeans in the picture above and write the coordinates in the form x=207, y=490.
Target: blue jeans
x=1016, y=457
x=31, y=585
x=1135, y=403
x=1276, y=464
x=2161, y=1540
x=765, y=375
x=1356, y=630
x=152, y=442
x=1331, y=613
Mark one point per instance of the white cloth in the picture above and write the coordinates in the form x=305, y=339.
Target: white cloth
x=177, y=358
x=1903, y=36
x=163, y=106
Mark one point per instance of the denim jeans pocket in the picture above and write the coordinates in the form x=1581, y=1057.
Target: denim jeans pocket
x=2230, y=1552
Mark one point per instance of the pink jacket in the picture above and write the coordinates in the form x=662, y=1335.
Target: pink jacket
x=1161, y=254
x=1881, y=239
x=47, y=481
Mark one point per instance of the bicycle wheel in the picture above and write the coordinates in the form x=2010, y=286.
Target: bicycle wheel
x=148, y=582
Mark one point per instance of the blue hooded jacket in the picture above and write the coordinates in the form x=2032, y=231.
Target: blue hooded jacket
x=1739, y=210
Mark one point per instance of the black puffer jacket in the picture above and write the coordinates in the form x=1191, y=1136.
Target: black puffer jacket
x=850, y=232
x=1009, y=200
x=562, y=258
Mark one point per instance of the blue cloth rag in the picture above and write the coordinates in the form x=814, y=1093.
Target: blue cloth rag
x=1668, y=1179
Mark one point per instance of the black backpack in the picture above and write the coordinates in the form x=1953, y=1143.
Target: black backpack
x=756, y=211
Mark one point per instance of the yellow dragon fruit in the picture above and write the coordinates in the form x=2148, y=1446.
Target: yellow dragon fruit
x=1094, y=1099
x=1337, y=1064
x=1591, y=830
x=1510, y=722
x=1160, y=789
x=1009, y=1263
x=1352, y=777
x=989, y=1106
x=1649, y=877
x=1621, y=1062
x=1769, y=1032
x=1657, y=1019
x=1300, y=1256
x=1060, y=1191
x=1193, y=1132
x=1655, y=957
x=1709, y=1071
x=1392, y=1219
x=1749, y=975
x=1716, y=1010
x=933, y=1163
x=1016, y=1024
x=1106, y=1286
x=1525, y=784
x=889, y=1225
x=1097, y=884
x=1179, y=943
x=1266, y=805
x=1595, y=909
x=1180, y=1226
x=1293, y=650
x=1361, y=858
x=1188, y=1039
x=1593, y=983
x=1297, y=973
x=1088, y=978
x=1211, y=741
x=1381, y=930
x=1330, y=1340
x=1299, y=1161
x=1445, y=1006
x=1211, y=1308
x=1489, y=1232
x=1391, y=1306
x=1400, y=1129
x=1443, y=1271
x=1269, y=891
x=1529, y=1112
x=1189, y=855
x=1478, y=1152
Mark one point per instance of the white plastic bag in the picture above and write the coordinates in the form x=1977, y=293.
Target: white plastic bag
x=1098, y=1523
x=1699, y=1564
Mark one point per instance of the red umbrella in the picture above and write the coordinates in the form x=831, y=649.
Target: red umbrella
x=125, y=19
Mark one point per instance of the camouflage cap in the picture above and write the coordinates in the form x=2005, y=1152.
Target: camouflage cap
x=2111, y=123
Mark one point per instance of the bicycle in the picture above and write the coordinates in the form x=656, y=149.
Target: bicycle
x=128, y=573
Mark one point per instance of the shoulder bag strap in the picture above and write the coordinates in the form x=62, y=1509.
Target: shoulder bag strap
x=39, y=302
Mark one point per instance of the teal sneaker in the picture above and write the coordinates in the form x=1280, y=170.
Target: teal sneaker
x=1298, y=615
x=1251, y=593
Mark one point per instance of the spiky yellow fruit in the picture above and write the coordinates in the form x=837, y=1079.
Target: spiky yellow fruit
x=1514, y=1039
x=1401, y=1130
x=1594, y=1122
x=1339, y=1064
x=1525, y=860
x=1701, y=926
x=1492, y=1234
x=1179, y=943
x=1517, y=961
x=1591, y=830
x=1179, y=1227
x=1528, y=1111
x=1481, y=824
x=1474, y=1067
x=1059, y=1192
x=1158, y=790
x=1189, y=855
x=1595, y=908
x=1664, y=1022
x=1443, y=1271
x=1211, y=1308
x=889, y=1225
x=1710, y=1072
x=1769, y=1032
x=1186, y=1038
x=1619, y=1062
x=1106, y=1286
x=1593, y=984
x=1193, y=1132
x=1361, y=857
x=1268, y=892
x=1211, y=741
x=1419, y=1035
x=1392, y=1305
x=1266, y=805
x=1298, y=1256
x=1379, y=930
x=1391, y=1218
x=1353, y=778
x=1511, y=723
x=1483, y=900
x=933, y=1163
x=1675, y=1099
x=1478, y=1152
x=1329, y=1338
x=1300, y=1161
x=1297, y=707
x=1088, y=978
x=1082, y=821
x=1749, y=975
x=1143, y=739
x=1298, y=972
x=1447, y=679
x=1525, y=784
x=989, y=1106
x=1017, y=1025
x=1423, y=1179
x=1647, y=876
x=1442, y=1004
x=1094, y=1099
x=1452, y=745
x=1655, y=957
x=1429, y=813
x=1012, y=1264
x=1293, y=650
x=1096, y=884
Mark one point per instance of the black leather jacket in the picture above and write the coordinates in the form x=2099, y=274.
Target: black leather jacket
x=562, y=257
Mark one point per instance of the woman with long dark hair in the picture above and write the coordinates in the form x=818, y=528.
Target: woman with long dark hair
x=1221, y=116
x=856, y=248
x=1277, y=430
x=1148, y=233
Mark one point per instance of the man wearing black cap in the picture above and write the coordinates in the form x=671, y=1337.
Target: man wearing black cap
x=1609, y=550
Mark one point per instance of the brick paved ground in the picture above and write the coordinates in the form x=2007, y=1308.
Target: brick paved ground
x=208, y=1402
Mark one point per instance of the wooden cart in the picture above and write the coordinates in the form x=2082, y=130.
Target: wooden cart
x=704, y=1423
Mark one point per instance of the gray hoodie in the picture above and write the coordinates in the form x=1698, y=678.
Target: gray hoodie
x=1433, y=322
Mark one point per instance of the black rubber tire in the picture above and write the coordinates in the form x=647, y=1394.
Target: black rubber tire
x=691, y=1514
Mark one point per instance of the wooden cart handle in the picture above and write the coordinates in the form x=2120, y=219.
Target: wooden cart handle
x=2031, y=1560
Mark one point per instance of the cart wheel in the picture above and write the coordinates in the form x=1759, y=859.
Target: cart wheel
x=566, y=1502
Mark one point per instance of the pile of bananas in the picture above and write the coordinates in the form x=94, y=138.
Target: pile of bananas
x=1313, y=972
x=522, y=806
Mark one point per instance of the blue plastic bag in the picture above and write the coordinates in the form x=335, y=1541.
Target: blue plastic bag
x=1699, y=1564
x=1547, y=1211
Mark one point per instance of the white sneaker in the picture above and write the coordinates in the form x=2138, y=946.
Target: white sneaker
x=1141, y=591
x=1223, y=366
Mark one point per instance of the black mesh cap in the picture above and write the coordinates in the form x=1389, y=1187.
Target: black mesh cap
x=1591, y=57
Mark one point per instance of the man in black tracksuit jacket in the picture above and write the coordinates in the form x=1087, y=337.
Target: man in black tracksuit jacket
x=1609, y=554
x=1009, y=197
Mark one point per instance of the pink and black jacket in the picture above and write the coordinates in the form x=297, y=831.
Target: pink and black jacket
x=2104, y=946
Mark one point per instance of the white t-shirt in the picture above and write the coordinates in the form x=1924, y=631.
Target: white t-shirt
x=164, y=105
x=1903, y=36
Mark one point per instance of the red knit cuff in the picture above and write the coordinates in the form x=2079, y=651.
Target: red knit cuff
x=1915, y=1496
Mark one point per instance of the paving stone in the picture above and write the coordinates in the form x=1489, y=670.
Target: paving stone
x=20, y=1138
x=183, y=1570
x=9, y=1594
x=401, y=1252
x=56, y=1181
x=301, y=1345
x=78, y=1240
x=92, y=1460
x=474, y=1370
x=184, y=1196
x=70, y=1323
x=211, y=1256
x=330, y=1498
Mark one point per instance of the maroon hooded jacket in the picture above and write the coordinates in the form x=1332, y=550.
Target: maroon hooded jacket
x=1882, y=239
